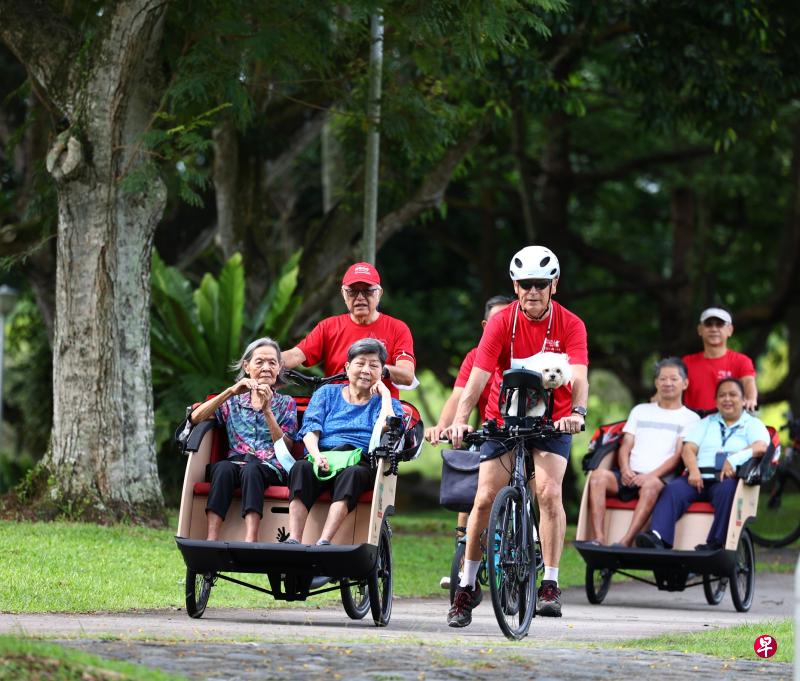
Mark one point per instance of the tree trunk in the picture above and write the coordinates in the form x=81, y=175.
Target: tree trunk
x=102, y=457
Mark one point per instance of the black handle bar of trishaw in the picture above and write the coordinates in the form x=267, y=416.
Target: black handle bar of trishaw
x=313, y=382
x=542, y=427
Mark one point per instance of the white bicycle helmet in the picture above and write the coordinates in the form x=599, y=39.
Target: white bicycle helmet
x=534, y=262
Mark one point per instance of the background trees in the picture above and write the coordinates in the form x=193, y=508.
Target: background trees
x=652, y=146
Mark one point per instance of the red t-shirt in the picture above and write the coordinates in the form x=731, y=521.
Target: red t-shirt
x=706, y=372
x=463, y=376
x=330, y=340
x=567, y=335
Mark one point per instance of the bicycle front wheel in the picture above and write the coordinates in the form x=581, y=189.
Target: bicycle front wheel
x=510, y=559
x=777, y=522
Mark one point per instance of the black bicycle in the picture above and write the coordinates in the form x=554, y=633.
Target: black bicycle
x=513, y=550
x=778, y=520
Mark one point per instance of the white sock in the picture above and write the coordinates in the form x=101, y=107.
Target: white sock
x=470, y=573
x=551, y=573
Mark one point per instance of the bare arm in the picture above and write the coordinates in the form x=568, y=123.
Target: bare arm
x=689, y=456
x=478, y=378
x=293, y=358
x=434, y=433
x=750, y=392
x=205, y=411
x=624, y=458
x=401, y=373
x=580, y=397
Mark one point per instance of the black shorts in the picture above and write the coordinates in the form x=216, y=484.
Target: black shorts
x=558, y=444
x=626, y=492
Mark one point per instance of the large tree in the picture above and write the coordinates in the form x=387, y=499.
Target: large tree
x=102, y=88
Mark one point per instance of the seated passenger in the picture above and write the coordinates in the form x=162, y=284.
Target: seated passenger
x=256, y=418
x=341, y=418
x=712, y=450
x=648, y=454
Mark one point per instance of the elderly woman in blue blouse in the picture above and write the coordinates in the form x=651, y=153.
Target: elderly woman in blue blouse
x=256, y=419
x=712, y=449
x=341, y=418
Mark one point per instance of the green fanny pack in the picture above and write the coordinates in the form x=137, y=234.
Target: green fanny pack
x=337, y=462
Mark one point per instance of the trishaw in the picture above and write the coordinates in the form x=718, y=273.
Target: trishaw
x=732, y=566
x=358, y=563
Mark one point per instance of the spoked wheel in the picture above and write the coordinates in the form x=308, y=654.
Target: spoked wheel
x=597, y=584
x=380, y=580
x=355, y=599
x=510, y=559
x=777, y=521
x=743, y=578
x=714, y=588
x=456, y=567
x=198, y=589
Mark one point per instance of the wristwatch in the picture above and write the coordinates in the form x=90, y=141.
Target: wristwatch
x=579, y=410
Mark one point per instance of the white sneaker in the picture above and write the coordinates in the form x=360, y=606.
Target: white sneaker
x=444, y=583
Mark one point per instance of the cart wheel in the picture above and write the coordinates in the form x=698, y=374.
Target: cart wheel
x=714, y=588
x=380, y=580
x=743, y=578
x=198, y=589
x=597, y=584
x=355, y=599
x=456, y=566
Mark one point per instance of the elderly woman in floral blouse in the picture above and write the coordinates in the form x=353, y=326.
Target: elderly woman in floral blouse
x=256, y=419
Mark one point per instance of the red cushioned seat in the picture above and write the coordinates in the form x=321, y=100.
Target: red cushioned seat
x=275, y=492
x=696, y=507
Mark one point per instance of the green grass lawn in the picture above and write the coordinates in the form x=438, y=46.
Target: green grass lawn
x=26, y=659
x=79, y=567
x=730, y=643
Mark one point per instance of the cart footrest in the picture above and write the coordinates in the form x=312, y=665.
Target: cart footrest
x=336, y=561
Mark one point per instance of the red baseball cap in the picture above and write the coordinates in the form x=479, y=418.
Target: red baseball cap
x=361, y=272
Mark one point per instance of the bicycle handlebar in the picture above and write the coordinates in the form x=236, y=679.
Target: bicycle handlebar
x=491, y=431
x=313, y=382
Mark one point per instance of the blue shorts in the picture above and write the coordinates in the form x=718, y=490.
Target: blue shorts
x=558, y=444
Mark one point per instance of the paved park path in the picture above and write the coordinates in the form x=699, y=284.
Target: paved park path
x=322, y=643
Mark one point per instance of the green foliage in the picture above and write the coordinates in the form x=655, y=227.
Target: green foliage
x=728, y=643
x=22, y=658
x=197, y=334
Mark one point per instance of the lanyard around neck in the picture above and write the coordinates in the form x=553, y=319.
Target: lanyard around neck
x=726, y=436
x=546, y=334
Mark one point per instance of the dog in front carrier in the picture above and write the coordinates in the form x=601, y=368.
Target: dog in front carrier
x=555, y=370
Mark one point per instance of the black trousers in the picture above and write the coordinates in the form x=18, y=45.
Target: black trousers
x=348, y=484
x=253, y=477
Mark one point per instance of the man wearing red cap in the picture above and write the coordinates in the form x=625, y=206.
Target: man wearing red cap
x=706, y=369
x=329, y=340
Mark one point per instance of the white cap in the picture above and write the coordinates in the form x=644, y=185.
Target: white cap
x=716, y=312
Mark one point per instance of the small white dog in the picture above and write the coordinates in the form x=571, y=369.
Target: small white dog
x=555, y=370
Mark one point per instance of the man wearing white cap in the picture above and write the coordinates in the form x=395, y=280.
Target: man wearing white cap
x=708, y=368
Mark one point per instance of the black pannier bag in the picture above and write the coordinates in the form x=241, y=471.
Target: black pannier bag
x=459, y=479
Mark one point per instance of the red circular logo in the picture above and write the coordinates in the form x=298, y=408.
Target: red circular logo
x=765, y=645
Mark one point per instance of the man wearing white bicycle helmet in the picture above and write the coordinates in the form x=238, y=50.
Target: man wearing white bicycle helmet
x=534, y=323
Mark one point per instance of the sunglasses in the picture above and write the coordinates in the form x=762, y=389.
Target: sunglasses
x=366, y=292
x=538, y=284
x=713, y=321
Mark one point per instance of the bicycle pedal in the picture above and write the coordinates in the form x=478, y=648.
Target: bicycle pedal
x=444, y=583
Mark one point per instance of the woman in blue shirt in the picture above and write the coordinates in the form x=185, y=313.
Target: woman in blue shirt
x=712, y=450
x=341, y=418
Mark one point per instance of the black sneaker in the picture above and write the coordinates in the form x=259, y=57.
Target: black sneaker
x=710, y=546
x=649, y=540
x=549, y=600
x=466, y=598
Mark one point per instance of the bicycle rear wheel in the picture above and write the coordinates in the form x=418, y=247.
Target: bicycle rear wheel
x=778, y=520
x=510, y=559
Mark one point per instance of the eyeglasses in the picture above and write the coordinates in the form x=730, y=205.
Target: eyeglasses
x=713, y=321
x=366, y=292
x=538, y=284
